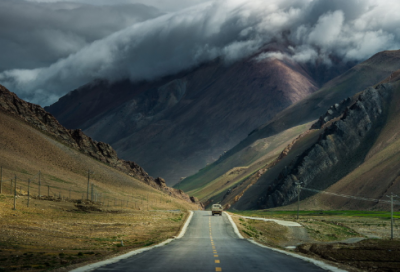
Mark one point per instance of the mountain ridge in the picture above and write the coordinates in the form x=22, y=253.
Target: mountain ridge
x=181, y=123
x=37, y=117
x=255, y=154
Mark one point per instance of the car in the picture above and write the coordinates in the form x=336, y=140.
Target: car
x=216, y=209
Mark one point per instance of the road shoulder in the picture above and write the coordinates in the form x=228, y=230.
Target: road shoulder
x=92, y=266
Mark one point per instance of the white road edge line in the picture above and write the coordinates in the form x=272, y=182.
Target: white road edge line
x=235, y=228
x=184, y=228
x=313, y=261
x=280, y=222
x=93, y=266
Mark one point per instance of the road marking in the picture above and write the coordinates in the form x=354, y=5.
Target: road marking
x=280, y=222
x=216, y=261
x=218, y=269
x=216, y=256
x=213, y=247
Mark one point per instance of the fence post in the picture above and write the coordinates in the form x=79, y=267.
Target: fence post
x=11, y=186
x=29, y=193
x=48, y=190
x=15, y=193
x=91, y=195
x=70, y=193
x=1, y=180
x=88, y=182
x=39, y=183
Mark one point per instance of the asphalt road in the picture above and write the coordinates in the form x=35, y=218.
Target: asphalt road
x=210, y=244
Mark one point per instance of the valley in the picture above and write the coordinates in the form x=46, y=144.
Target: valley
x=220, y=135
x=298, y=132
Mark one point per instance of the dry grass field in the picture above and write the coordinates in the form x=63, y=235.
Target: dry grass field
x=52, y=233
x=61, y=228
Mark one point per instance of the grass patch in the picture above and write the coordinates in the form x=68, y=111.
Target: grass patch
x=347, y=213
x=56, y=179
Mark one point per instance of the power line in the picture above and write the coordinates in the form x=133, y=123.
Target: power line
x=349, y=196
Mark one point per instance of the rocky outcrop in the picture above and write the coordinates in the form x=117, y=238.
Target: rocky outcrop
x=333, y=112
x=341, y=147
x=38, y=118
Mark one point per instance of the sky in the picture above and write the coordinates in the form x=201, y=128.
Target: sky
x=51, y=47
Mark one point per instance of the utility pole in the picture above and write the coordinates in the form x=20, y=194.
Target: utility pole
x=391, y=214
x=298, y=185
x=29, y=186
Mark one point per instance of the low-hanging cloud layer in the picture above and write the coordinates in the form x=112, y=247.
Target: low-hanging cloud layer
x=310, y=30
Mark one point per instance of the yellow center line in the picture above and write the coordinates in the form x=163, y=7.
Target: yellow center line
x=216, y=261
x=218, y=269
x=215, y=256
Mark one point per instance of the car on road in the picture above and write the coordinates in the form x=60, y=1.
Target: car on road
x=216, y=209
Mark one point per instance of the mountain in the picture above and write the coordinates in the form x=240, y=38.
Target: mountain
x=39, y=128
x=179, y=124
x=254, y=172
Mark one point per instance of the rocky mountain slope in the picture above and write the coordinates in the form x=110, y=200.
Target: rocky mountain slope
x=250, y=167
x=179, y=124
x=341, y=147
x=43, y=121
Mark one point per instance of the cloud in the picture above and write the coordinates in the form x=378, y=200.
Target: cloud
x=38, y=34
x=164, y=5
x=228, y=29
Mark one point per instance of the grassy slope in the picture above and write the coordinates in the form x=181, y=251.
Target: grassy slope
x=53, y=233
x=211, y=181
x=368, y=73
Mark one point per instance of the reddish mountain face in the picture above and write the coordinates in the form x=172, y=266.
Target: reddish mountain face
x=177, y=125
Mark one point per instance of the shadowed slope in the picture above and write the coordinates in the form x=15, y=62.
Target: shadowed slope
x=355, y=80
x=179, y=124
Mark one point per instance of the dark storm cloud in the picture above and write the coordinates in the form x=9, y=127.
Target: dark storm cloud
x=38, y=34
x=229, y=29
